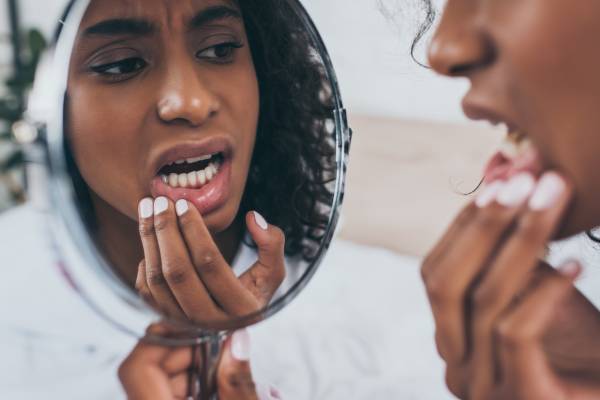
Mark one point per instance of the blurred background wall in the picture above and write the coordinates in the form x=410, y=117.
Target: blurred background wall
x=413, y=151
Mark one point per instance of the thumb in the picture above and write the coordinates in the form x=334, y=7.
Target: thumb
x=234, y=376
x=267, y=274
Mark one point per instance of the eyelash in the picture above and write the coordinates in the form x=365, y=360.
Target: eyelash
x=133, y=65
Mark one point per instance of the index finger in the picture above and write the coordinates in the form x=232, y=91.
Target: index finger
x=524, y=366
x=217, y=276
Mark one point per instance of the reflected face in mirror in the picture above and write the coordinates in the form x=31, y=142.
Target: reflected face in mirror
x=223, y=104
x=157, y=84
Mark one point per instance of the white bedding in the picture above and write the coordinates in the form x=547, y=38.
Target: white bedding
x=361, y=330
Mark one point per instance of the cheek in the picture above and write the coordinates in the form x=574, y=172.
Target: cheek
x=555, y=89
x=104, y=149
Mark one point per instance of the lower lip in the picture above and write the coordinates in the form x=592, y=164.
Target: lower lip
x=206, y=199
x=501, y=168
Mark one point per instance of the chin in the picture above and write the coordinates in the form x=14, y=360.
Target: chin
x=575, y=222
x=220, y=220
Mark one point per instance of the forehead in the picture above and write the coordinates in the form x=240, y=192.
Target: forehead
x=161, y=13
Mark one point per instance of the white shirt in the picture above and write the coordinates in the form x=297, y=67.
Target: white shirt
x=362, y=329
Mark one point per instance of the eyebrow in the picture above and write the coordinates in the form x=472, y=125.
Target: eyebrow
x=141, y=27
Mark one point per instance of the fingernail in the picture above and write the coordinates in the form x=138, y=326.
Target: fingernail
x=240, y=345
x=146, y=208
x=548, y=192
x=261, y=221
x=275, y=393
x=571, y=269
x=181, y=207
x=267, y=392
x=517, y=190
x=161, y=205
x=489, y=194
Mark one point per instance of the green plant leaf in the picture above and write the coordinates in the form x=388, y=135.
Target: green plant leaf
x=37, y=43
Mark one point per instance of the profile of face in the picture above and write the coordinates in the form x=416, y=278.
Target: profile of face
x=163, y=100
x=533, y=65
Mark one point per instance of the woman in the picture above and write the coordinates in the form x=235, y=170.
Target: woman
x=149, y=81
x=215, y=126
x=507, y=325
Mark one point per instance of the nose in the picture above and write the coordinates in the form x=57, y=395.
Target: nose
x=185, y=98
x=460, y=45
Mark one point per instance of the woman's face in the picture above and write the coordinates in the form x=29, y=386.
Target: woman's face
x=533, y=65
x=164, y=101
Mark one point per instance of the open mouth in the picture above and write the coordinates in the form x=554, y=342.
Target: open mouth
x=199, y=172
x=517, y=154
x=193, y=173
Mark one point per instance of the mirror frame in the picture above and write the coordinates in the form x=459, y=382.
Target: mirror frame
x=85, y=267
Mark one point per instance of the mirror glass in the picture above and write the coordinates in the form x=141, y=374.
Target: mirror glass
x=196, y=154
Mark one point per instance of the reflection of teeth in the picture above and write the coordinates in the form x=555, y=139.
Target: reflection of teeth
x=194, y=180
x=173, y=180
x=198, y=159
x=194, y=160
x=201, y=177
x=183, y=180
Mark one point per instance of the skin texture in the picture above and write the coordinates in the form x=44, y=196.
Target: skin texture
x=153, y=372
x=174, y=84
x=508, y=326
x=178, y=91
x=534, y=64
x=185, y=275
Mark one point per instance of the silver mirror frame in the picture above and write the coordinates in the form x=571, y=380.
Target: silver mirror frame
x=85, y=266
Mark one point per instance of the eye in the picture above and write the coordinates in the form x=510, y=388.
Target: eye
x=219, y=53
x=128, y=66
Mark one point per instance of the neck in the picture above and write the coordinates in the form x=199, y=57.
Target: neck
x=118, y=238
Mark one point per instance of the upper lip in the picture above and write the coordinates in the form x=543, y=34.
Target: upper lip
x=191, y=149
x=478, y=111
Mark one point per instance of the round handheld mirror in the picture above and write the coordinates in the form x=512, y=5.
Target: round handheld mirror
x=195, y=156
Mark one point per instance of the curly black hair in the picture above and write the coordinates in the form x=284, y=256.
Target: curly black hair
x=293, y=169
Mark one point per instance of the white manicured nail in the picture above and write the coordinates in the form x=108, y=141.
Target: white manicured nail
x=517, y=190
x=181, y=207
x=489, y=194
x=267, y=392
x=548, y=192
x=260, y=221
x=161, y=205
x=146, y=208
x=240, y=345
x=571, y=269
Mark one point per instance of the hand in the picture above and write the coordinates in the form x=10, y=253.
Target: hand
x=153, y=372
x=184, y=274
x=485, y=270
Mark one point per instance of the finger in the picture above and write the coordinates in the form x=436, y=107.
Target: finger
x=266, y=275
x=462, y=220
x=511, y=272
x=155, y=280
x=179, y=385
x=449, y=281
x=141, y=285
x=177, y=361
x=216, y=274
x=524, y=367
x=141, y=373
x=234, y=376
x=177, y=268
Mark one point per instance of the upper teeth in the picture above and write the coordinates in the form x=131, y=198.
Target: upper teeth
x=194, y=179
x=515, y=145
x=193, y=160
